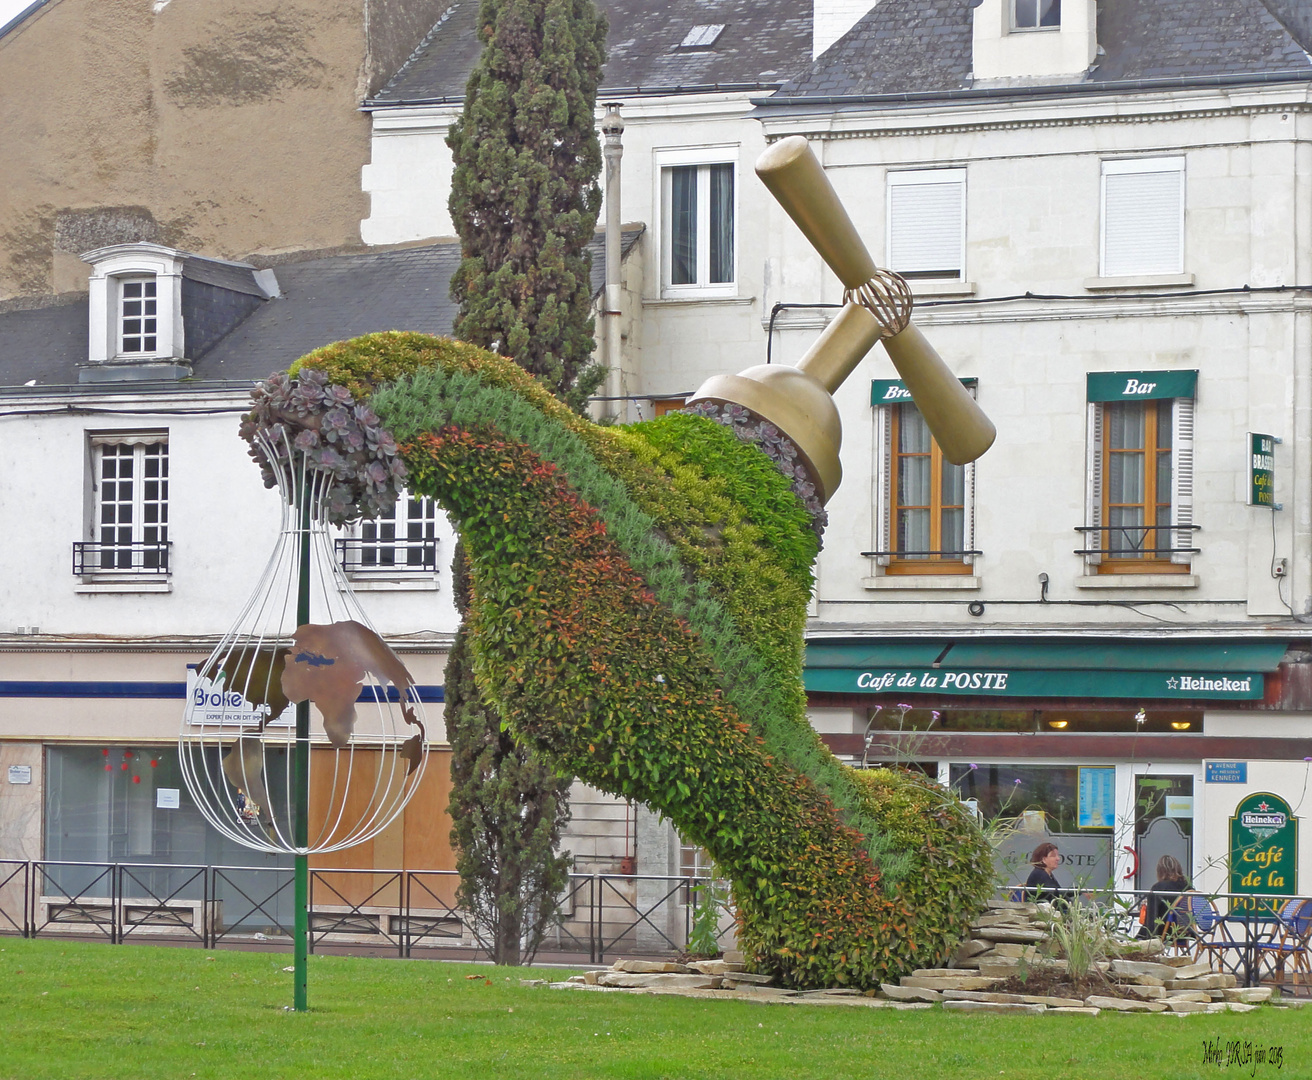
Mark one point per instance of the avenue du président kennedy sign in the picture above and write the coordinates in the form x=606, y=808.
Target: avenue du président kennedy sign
x=1026, y=682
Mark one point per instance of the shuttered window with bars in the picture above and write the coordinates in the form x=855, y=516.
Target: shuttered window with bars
x=1139, y=491
x=927, y=224
x=1142, y=217
x=924, y=505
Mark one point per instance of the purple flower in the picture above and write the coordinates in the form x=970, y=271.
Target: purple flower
x=973, y=766
x=904, y=706
x=1017, y=782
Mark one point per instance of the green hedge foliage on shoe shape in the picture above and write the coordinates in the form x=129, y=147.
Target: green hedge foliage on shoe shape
x=639, y=602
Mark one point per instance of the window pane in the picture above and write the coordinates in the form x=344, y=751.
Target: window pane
x=913, y=531
x=683, y=225
x=953, y=482
x=926, y=219
x=913, y=481
x=1031, y=13
x=721, y=223
x=913, y=432
x=1142, y=219
x=954, y=530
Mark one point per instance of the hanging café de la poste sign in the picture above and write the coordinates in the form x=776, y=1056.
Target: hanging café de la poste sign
x=1218, y=672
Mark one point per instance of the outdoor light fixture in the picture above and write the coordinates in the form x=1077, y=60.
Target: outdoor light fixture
x=1058, y=723
x=1181, y=725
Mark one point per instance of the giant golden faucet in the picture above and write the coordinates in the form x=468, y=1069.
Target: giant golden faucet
x=876, y=307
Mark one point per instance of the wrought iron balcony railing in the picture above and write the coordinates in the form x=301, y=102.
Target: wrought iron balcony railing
x=1139, y=541
x=92, y=558
x=359, y=556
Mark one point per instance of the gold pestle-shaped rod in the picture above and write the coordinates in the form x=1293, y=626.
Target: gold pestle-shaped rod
x=798, y=182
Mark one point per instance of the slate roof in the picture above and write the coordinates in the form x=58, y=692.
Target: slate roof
x=322, y=300
x=924, y=47
x=762, y=44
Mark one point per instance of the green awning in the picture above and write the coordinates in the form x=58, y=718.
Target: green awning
x=894, y=391
x=1141, y=385
x=1089, y=668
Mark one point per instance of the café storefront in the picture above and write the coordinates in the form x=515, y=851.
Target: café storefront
x=1120, y=750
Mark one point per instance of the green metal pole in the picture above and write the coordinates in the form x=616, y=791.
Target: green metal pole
x=301, y=776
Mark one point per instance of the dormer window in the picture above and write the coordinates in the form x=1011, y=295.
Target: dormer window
x=1036, y=14
x=138, y=316
x=152, y=310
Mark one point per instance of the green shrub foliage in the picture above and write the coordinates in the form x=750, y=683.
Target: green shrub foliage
x=638, y=600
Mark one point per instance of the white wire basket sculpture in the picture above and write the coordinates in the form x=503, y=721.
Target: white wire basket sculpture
x=263, y=768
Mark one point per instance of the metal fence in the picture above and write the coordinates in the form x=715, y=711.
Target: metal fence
x=396, y=912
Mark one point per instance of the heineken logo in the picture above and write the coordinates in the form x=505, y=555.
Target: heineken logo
x=1263, y=820
x=1201, y=684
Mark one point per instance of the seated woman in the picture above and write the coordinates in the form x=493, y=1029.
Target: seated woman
x=1041, y=884
x=1171, y=882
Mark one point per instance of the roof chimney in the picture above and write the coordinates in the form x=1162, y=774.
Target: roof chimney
x=831, y=19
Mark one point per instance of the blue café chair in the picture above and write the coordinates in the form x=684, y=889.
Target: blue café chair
x=1212, y=936
x=1288, y=947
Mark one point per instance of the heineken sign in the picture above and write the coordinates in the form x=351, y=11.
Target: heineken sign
x=1262, y=470
x=1263, y=849
x=1028, y=682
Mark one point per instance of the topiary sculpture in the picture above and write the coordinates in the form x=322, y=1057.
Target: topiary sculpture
x=639, y=597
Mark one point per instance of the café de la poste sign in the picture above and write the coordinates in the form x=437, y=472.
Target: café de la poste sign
x=1027, y=682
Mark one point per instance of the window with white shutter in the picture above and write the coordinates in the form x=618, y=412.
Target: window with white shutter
x=927, y=223
x=1142, y=217
x=1139, y=512
x=924, y=506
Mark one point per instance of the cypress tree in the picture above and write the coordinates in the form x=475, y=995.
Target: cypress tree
x=524, y=200
x=508, y=808
x=524, y=194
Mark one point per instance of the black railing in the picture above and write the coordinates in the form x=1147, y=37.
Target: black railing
x=359, y=556
x=91, y=557
x=403, y=912
x=1132, y=541
x=921, y=554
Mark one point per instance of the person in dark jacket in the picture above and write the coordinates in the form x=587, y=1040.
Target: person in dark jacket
x=1171, y=882
x=1042, y=885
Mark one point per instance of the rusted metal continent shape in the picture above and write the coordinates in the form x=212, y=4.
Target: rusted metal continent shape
x=877, y=307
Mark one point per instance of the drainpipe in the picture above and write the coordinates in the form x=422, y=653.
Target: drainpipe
x=613, y=128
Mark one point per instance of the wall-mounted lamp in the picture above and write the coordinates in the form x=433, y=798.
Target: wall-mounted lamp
x=1181, y=725
x=1058, y=723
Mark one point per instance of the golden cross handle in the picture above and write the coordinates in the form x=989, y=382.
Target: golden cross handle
x=877, y=306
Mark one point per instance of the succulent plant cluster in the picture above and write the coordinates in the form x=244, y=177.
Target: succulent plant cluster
x=306, y=415
x=775, y=445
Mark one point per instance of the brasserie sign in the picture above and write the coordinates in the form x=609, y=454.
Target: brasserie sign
x=1262, y=470
x=1027, y=682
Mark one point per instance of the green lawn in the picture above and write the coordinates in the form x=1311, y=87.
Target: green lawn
x=100, y=1011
